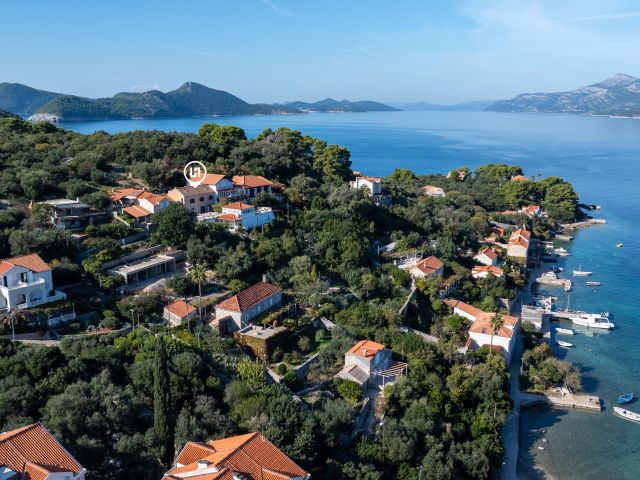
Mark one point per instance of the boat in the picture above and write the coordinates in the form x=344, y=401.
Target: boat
x=560, y=343
x=565, y=331
x=594, y=284
x=626, y=398
x=634, y=417
x=581, y=273
x=561, y=252
x=619, y=244
x=567, y=287
x=593, y=320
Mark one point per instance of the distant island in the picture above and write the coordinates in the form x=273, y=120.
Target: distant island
x=190, y=100
x=475, y=106
x=618, y=95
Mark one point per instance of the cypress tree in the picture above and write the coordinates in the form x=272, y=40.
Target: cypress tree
x=163, y=425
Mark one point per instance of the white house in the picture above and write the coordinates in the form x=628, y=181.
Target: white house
x=242, y=215
x=373, y=184
x=533, y=211
x=178, y=312
x=431, y=191
x=480, y=331
x=519, y=243
x=242, y=457
x=483, y=271
x=31, y=453
x=25, y=282
x=426, y=267
x=236, y=312
x=487, y=256
x=363, y=359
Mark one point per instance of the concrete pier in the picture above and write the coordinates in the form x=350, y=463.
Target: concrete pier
x=562, y=398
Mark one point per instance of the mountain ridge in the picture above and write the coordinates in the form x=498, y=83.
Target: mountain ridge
x=618, y=95
x=191, y=99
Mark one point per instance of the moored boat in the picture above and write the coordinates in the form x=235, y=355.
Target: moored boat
x=626, y=398
x=593, y=320
x=634, y=417
x=619, y=245
x=564, y=344
x=565, y=331
x=594, y=284
x=581, y=273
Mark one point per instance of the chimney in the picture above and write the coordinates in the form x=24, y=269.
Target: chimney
x=364, y=351
x=264, y=278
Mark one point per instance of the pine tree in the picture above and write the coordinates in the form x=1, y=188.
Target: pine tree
x=162, y=416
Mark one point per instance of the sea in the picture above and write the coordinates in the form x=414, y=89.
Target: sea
x=600, y=156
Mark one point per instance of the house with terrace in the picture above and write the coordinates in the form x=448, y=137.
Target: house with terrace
x=74, y=215
x=425, y=267
x=25, y=281
x=369, y=362
x=242, y=457
x=239, y=215
x=518, y=246
x=481, y=333
x=32, y=453
x=236, y=312
x=252, y=185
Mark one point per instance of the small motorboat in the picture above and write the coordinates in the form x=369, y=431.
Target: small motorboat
x=567, y=287
x=619, y=245
x=565, y=331
x=560, y=343
x=626, y=398
x=581, y=273
x=634, y=417
x=594, y=284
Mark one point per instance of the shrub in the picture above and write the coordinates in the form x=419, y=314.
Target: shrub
x=110, y=322
x=292, y=381
x=349, y=390
x=282, y=369
x=304, y=344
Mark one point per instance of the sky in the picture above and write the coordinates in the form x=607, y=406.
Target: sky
x=443, y=51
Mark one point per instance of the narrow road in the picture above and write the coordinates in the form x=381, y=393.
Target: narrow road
x=511, y=431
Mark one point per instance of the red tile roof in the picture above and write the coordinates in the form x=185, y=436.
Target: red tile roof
x=117, y=195
x=137, y=211
x=180, y=308
x=31, y=262
x=212, y=179
x=228, y=217
x=489, y=252
x=251, y=456
x=156, y=199
x=251, y=181
x=429, y=265
x=366, y=348
x=249, y=297
x=495, y=271
x=37, y=450
x=481, y=317
x=238, y=206
x=519, y=178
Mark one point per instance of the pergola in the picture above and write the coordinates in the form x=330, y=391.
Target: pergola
x=395, y=369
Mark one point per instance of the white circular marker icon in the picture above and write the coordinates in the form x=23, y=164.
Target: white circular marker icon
x=195, y=173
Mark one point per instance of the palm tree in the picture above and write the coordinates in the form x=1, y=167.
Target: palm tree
x=199, y=275
x=496, y=323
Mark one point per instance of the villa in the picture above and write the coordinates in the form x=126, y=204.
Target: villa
x=236, y=312
x=73, y=214
x=487, y=256
x=242, y=457
x=240, y=215
x=532, y=211
x=427, y=267
x=480, y=331
x=367, y=359
x=25, y=282
x=149, y=268
x=373, y=184
x=252, y=185
x=197, y=199
x=32, y=453
x=519, y=241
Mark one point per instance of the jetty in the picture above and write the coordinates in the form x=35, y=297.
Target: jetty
x=561, y=398
x=583, y=224
x=550, y=278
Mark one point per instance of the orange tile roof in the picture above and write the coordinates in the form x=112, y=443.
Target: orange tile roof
x=429, y=265
x=366, y=348
x=124, y=192
x=368, y=178
x=212, y=179
x=156, y=199
x=531, y=209
x=180, y=308
x=495, y=271
x=37, y=450
x=145, y=194
x=519, y=178
x=137, y=211
x=489, y=252
x=238, y=206
x=31, y=262
x=228, y=217
x=483, y=325
x=465, y=307
x=431, y=189
x=520, y=237
x=251, y=181
x=251, y=456
x=249, y=297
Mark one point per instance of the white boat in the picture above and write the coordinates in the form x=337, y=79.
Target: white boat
x=594, y=284
x=567, y=287
x=561, y=252
x=581, y=273
x=564, y=344
x=592, y=320
x=565, y=331
x=623, y=412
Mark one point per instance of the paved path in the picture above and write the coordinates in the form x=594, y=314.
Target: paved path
x=511, y=431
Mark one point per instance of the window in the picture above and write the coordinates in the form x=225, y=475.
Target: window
x=192, y=200
x=202, y=199
x=210, y=197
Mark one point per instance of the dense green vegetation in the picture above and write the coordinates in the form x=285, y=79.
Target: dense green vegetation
x=123, y=405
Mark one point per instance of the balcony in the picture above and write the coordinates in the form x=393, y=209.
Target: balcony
x=19, y=285
x=57, y=295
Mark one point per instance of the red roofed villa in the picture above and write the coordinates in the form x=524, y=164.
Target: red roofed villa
x=243, y=457
x=427, y=267
x=26, y=281
x=487, y=256
x=483, y=271
x=236, y=312
x=367, y=359
x=178, y=312
x=35, y=451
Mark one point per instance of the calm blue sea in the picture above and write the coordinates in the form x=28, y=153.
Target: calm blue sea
x=601, y=157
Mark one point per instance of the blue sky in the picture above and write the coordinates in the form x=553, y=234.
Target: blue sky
x=275, y=50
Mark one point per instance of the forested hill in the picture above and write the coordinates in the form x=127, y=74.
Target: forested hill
x=190, y=100
x=618, y=95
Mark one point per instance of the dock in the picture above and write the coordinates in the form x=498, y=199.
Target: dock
x=586, y=223
x=554, y=282
x=565, y=238
x=561, y=398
